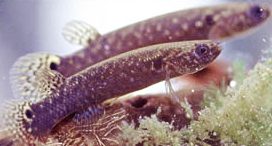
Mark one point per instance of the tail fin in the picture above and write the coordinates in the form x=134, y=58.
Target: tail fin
x=33, y=76
x=81, y=33
x=14, y=118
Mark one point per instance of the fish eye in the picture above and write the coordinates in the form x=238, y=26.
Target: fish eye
x=209, y=19
x=53, y=66
x=201, y=49
x=257, y=12
x=29, y=114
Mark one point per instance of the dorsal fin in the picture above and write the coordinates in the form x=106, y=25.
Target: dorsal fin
x=33, y=76
x=80, y=33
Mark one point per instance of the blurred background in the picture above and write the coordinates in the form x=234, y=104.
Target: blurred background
x=30, y=26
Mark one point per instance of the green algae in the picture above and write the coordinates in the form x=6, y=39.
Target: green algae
x=150, y=132
x=237, y=115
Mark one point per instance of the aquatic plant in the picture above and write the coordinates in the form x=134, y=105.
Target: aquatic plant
x=240, y=115
x=150, y=132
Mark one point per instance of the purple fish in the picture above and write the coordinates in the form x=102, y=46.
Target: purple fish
x=57, y=97
x=214, y=22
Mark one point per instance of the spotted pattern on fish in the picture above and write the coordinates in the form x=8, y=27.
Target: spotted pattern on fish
x=113, y=77
x=214, y=22
x=32, y=120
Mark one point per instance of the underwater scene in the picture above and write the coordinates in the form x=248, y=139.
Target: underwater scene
x=136, y=73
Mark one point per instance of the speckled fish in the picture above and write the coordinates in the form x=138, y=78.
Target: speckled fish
x=210, y=22
x=213, y=22
x=56, y=97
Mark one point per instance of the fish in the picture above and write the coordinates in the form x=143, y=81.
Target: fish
x=57, y=97
x=212, y=22
x=41, y=77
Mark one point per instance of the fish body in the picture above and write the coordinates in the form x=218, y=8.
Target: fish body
x=113, y=77
x=56, y=87
x=213, y=22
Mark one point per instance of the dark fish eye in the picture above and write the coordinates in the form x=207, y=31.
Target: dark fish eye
x=29, y=114
x=53, y=66
x=158, y=64
x=257, y=12
x=201, y=49
x=209, y=19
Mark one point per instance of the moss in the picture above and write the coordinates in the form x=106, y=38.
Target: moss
x=239, y=71
x=214, y=96
x=245, y=115
x=151, y=132
x=239, y=115
x=188, y=108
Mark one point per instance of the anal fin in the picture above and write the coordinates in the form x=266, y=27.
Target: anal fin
x=89, y=115
x=80, y=33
